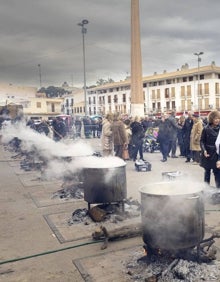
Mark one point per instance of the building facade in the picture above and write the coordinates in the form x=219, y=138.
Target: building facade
x=73, y=104
x=42, y=107
x=182, y=90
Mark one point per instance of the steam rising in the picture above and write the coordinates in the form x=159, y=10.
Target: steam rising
x=55, y=152
x=45, y=146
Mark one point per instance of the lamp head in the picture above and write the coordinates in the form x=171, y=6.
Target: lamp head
x=198, y=54
x=85, y=21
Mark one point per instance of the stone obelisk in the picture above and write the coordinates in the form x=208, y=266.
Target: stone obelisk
x=137, y=95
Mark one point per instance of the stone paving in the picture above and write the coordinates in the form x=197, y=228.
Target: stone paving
x=33, y=222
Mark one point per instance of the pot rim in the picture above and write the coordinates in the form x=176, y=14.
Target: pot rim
x=171, y=188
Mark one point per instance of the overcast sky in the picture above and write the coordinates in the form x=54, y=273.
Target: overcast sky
x=45, y=32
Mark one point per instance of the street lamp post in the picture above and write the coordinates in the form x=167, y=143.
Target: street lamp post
x=84, y=30
x=199, y=60
x=39, y=66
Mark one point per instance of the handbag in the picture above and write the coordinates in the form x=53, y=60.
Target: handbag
x=125, y=154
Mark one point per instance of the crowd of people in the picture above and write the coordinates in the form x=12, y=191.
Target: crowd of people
x=198, y=138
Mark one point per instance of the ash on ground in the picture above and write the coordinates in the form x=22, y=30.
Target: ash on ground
x=113, y=213
x=70, y=190
x=163, y=269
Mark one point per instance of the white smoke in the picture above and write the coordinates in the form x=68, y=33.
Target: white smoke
x=44, y=145
x=55, y=152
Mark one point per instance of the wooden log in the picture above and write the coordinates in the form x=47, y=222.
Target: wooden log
x=124, y=232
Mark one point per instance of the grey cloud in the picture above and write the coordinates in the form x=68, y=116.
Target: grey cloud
x=46, y=32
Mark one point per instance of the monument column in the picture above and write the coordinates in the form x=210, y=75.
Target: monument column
x=137, y=95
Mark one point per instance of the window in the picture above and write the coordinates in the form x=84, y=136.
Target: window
x=52, y=107
x=94, y=100
x=167, y=94
x=184, y=79
x=158, y=106
x=190, y=78
x=124, y=98
x=38, y=104
x=173, y=92
x=182, y=91
x=188, y=90
x=206, y=88
x=153, y=94
x=216, y=88
x=109, y=99
x=217, y=103
x=202, y=76
x=158, y=93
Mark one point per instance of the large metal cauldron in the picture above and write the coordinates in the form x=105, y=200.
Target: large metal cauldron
x=104, y=185
x=172, y=215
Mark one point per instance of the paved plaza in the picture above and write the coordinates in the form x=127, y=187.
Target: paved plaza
x=33, y=225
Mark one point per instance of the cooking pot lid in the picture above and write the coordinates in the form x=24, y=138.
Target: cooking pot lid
x=171, y=188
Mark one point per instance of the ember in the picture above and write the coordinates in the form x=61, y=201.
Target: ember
x=166, y=268
x=203, y=252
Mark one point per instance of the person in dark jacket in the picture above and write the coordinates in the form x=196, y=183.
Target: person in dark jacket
x=87, y=127
x=137, y=135
x=59, y=129
x=186, y=131
x=209, y=155
x=173, y=134
x=180, y=136
x=78, y=127
x=163, y=137
x=43, y=128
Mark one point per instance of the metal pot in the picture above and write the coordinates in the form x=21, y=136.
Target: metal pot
x=172, y=215
x=104, y=185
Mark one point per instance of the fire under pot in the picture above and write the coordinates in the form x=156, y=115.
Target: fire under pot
x=172, y=215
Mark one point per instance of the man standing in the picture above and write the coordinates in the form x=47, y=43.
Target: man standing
x=173, y=134
x=186, y=130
